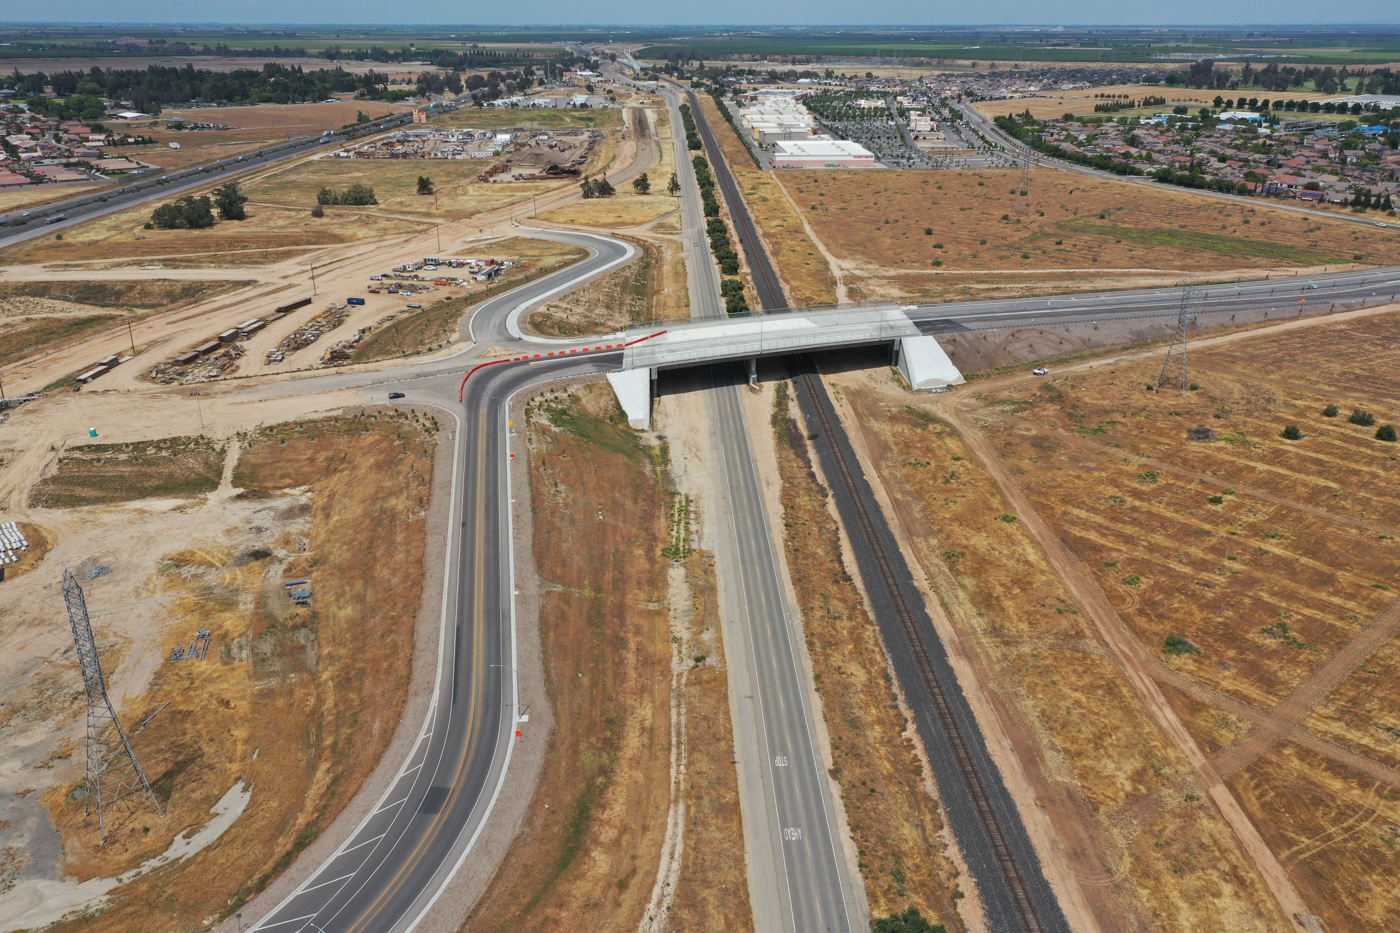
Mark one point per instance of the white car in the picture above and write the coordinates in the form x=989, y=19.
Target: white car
x=1040, y=371
x=1378, y=224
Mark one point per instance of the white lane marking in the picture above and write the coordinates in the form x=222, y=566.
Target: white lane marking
x=360, y=845
x=513, y=318
x=281, y=922
x=324, y=883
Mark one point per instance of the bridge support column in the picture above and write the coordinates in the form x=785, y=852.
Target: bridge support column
x=925, y=366
x=634, y=389
x=753, y=372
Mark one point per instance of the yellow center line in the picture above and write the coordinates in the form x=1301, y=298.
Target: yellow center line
x=438, y=821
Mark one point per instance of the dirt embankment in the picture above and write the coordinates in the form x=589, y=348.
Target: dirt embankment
x=297, y=700
x=586, y=856
x=646, y=289
x=890, y=805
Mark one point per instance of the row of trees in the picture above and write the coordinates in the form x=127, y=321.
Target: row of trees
x=692, y=137
x=706, y=182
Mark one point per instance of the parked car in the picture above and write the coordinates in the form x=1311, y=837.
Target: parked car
x=373, y=291
x=394, y=395
x=1040, y=371
x=415, y=306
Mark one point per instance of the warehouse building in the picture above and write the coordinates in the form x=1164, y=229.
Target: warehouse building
x=822, y=153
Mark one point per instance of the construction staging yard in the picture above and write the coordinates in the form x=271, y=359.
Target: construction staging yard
x=378, y=568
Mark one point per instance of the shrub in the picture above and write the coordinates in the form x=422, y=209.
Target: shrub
x=1177, y=645
x=911, y=921
x=354, y=196
x=1364, y=418
x=1330, y=411
x=1291, y=433
x=1385, y=432
x=928, y=231
x=317, y=210
x=1216, y=500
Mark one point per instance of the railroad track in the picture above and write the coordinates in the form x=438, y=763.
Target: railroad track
x=1020, y=906
x=1006, y=861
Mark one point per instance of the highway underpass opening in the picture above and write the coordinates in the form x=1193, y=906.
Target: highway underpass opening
x=686, y=343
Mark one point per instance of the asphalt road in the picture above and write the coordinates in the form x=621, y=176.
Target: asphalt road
x=1211, y=305
x=801, y=881
x=110, y=200
x=392, y=868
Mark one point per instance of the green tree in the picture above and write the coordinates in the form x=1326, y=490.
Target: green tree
x=1385, y=432
x=587, y=187
x=604, y=189
x=911, y=921
x=1363, y=418
x=425, y=184
x=317, y=210
x=642, y=184
x=229, y=200
x=1291, y=433
x=361, y=116
x=673, y=187
x=1330, y=411
x=187, y=213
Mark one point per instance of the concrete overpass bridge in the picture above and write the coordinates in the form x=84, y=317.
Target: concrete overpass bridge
x=656, y=346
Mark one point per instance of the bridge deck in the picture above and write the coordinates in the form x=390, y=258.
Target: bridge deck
x=692, y=343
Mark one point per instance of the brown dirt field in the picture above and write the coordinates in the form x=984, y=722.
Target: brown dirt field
x=1364, y=710
x=647, y=289
x=1294, y=546
x=1336, y=832
x=44, y=316
x=122, y=235
x=439, y=323
x=586, y=856
x=299, y=118
x=713, y=891
x=806, y=275
x=877, y=222
x=102, y=474
x=1091, y=749
x=893, y=815
x=284, y=695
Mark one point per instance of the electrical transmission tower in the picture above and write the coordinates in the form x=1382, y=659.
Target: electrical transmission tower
x=1022, y=204
x=1176, y=353
x=112, y=769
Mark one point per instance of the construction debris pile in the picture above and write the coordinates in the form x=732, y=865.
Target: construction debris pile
x=344, y=349
x=310, y=332
x=196, y=649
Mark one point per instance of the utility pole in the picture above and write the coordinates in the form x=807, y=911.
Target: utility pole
x=112, y=769
x=1022, y=204
x=313, y=278
x=130, y=334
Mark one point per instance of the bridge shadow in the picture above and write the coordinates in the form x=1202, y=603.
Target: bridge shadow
x=772, y=369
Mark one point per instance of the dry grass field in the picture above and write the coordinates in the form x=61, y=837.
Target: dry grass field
x=588, y=861
x=488, y=118
x=101, y=474
x=43, y=316
x=650, y=288
x=879, y=220
x=263, y=238
x=34, y=195
x=1051, y=105
x=1254, y=577
x=1089, y=747
x=298, y=703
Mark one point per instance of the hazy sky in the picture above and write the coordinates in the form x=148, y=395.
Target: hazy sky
x=727, y=12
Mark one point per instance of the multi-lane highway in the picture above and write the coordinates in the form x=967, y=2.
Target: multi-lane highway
x=43, y=220
x=799, y=879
